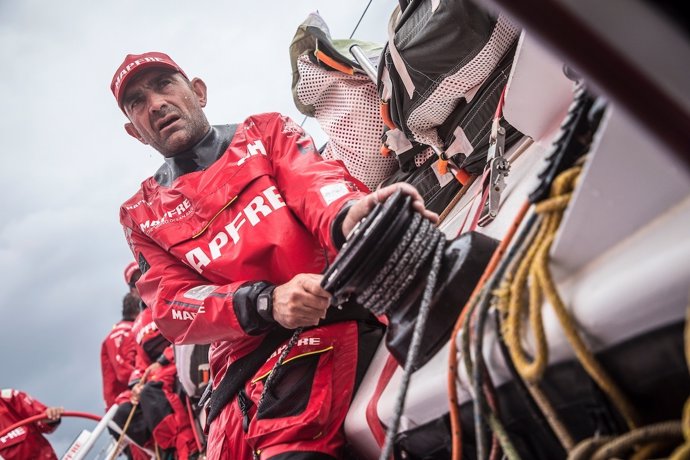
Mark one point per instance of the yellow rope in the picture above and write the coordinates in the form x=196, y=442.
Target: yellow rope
x=683, y=452
x=585, y=448
x=649, y=451
x=616, y=448
x=534, y=274
x=559, y=429
x=586, y=358
x=530, y=370
x=533, y=369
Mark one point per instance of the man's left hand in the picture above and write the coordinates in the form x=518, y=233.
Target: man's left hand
x=53, y=414
x=363, y=207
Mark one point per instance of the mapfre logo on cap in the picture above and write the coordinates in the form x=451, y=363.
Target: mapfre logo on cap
x=133, y=65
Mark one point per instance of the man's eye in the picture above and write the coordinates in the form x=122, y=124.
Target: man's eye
x=134, y=103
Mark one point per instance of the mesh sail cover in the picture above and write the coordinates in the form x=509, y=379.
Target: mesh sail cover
x=438, y=57
x=347, y=109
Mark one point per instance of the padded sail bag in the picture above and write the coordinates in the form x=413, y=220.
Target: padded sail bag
x=330, y=85
x=442, y=73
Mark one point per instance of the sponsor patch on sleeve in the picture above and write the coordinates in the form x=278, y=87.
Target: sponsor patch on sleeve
x=200, y=292
x=332, y=192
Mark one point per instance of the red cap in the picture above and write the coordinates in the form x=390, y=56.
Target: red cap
x=133, y=64
x=130, y=270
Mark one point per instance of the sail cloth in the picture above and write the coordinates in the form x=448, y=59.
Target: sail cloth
x=443, y=71
x=334, y=89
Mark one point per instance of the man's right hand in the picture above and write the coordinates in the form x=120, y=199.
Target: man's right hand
x=300, y=302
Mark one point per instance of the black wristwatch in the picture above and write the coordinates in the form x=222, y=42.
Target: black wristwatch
x=264, y=304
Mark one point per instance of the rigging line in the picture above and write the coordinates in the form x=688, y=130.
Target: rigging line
x=360, y=19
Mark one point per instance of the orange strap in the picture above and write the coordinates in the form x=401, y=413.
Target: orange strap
x=442, y=166
x=462, y=176
x=386, y=116
x=332, y=63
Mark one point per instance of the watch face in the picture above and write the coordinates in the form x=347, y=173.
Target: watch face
x=262, y=303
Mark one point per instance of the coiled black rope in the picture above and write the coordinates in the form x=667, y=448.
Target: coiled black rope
x=386, y=256
x=401, y=268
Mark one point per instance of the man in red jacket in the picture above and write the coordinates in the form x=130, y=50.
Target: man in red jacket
x=231, y=235
x=26, y=441
x=159, y=418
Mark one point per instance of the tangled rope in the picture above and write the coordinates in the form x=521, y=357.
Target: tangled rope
x=485, y=410
x=648, y=439
x=534, y=268
x=452, y=376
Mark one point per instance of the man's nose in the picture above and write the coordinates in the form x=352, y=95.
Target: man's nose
x=156, y=102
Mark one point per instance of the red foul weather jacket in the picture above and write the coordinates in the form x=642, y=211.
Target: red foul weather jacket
x=26, y=441
x=262, y=210
x=118, y=352
x=151, y=346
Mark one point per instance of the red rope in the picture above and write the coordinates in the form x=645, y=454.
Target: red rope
x=193, y=424
x=42, y=416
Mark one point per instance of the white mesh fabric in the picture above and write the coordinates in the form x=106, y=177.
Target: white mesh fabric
x=347, y=108
x=445, y=98
x=422, y=156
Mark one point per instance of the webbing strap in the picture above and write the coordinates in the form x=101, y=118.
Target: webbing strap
x=240, y=371
x=397, y=59
x=373, y=420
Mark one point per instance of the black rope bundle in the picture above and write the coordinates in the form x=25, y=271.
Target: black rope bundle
x=386, y=255
x=402, y=267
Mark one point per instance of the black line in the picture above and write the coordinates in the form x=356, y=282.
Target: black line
x=360, y=19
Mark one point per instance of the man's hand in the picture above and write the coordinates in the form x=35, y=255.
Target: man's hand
x=364, y=206
x=53, y=414
x=300, y=302
x=136, y=393
x=151, y=371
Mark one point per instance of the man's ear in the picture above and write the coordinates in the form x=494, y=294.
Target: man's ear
x=199, y=88
x=132, y=131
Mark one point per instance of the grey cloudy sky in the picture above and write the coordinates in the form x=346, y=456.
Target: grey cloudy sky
x=68, y=164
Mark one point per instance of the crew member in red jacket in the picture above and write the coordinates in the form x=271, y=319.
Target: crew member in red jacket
x=118, y=352
x=160, y=418
x=26, y=441
x=231, y=235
